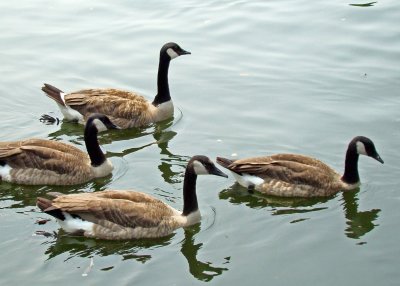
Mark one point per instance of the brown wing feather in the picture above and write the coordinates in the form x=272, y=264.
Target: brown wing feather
x=43, y=154
x=122, y=209
x=15, y=146
x=112, y=102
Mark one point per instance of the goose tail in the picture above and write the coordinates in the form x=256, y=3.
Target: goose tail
x=224, y=162
x=54, y=93
x=46, y=206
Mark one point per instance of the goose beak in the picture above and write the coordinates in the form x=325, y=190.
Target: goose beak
x=378, y=158
x=113, y=126
x=183, y=52
x=217, y=172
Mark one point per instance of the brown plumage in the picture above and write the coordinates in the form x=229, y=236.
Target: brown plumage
x=38, y=161
x=47, y=162
x=126, y=109
x=292, y=175
x=117, y=214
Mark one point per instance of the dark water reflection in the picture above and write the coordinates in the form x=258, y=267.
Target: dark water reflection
x=83, y=247
x=236, y=194
x=204, y=271
x=358, y=222
x=68, y=128
x=138, y=250
x=24, y=196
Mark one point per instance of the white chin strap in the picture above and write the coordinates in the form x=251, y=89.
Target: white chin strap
x=99, y=125
x=172, y=54
x=361, y=148
x=199, y=168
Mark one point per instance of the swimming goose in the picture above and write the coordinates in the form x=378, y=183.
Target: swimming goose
x=126, y=109
x=291, y=175
x=120, y=214
x=48, y=162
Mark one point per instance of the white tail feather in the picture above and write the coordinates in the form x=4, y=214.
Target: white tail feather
x=71, y=224
x=247, y=180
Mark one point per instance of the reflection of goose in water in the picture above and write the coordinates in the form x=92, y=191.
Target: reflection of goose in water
x=160, y=132
x=83, y=247
x=279, y=205
x=69, y=129
x=139, y=250
x=358, y=222
x=21, y=196
x=203, y=271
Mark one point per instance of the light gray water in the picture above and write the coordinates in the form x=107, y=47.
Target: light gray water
x=264, y=77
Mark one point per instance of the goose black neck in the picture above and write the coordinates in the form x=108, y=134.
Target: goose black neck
x=92, y=145
x=162, y=80
x=350, y=175
x=189, y=192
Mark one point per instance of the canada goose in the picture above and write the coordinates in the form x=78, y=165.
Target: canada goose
x=128, y=214
x=47, y=162
x=291, y=175
x=126, y=109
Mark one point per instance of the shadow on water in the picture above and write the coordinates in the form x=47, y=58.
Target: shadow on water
x=71, y=247
x=358, y=222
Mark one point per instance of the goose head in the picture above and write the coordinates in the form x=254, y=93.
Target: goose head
x=101, y=122
x=173, y=50
x=202, y=165
x=365, y=146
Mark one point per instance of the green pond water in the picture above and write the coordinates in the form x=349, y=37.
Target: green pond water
x=264, y=77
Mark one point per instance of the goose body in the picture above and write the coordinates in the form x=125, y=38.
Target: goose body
x=47, y=162
x=126, y=109
x=116, y=214
x=293, y=175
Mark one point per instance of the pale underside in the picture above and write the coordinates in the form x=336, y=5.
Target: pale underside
x=292, y=175
x=38, y=162
x=124, y=108
x=122, y=214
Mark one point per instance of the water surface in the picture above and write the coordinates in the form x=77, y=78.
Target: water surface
x=263, y=77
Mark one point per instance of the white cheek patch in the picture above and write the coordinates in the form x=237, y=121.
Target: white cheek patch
x=99, y=125
x=361, y=148
x=199, y=168
x=172, y=54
